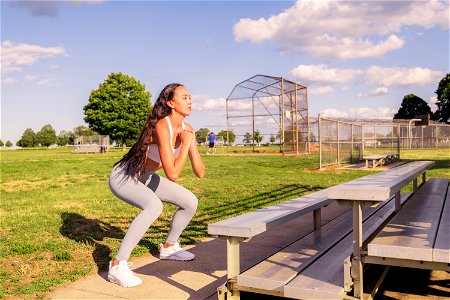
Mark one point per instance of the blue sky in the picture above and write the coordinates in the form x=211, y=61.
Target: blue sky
x=357, y=58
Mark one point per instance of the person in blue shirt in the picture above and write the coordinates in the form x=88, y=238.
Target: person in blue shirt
x=211, y=147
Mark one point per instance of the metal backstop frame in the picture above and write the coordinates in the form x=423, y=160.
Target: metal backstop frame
x=282, y=102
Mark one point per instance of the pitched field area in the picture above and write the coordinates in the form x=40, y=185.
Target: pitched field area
x=59, y=221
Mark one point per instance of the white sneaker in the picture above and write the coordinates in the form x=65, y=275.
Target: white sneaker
x=122, y=275
x=175, y=252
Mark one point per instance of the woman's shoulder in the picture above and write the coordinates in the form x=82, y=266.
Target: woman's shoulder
x=162, y=124
x=188, y=126
x=162, y=128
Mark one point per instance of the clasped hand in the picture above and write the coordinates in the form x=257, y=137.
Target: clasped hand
x=186, y=136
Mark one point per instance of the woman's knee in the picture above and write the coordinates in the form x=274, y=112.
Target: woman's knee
x=155, y=208
x=191, y=202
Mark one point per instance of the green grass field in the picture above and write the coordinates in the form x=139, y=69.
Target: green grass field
x=59, y=221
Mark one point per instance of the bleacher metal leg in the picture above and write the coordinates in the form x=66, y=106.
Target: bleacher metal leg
x=424, y=177
x=415, y=185
x=397, y=201
x=357, y=269
x=317, y=219
x=233, y=268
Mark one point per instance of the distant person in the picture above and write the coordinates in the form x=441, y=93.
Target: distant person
x=212, y=142
x=165, y=142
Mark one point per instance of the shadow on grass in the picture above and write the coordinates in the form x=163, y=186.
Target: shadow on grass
x=90, y=232
x=197, y=228
x=93, y=231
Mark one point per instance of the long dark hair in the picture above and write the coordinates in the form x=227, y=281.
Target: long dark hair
x=134, y=160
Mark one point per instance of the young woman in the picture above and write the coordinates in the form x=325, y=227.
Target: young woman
x=165, y=142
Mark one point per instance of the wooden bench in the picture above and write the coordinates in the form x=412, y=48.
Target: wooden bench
x=246, y=226
x=419, y=235
x=381, y=159
x=373, y=190
x=313, y=267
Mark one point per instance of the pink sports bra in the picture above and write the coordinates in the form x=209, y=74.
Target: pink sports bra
x=153, y=150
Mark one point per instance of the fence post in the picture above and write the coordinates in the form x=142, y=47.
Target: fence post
x=361, y=139
x=398, y=140
x=338, y=145
x=351, y=133
x=320, y=141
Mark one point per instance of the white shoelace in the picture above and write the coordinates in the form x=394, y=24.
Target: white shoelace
x=177, y=247
x=126, y=267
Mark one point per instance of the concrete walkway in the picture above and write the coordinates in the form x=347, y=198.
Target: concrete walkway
x=200, y=278
x=197, y=279
x=162, y=279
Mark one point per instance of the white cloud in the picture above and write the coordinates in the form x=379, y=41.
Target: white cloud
x=360, y=112
x=432, y=103
x=380, y=91
x=14, y=56
x=209, y=104
x=402, y=76
x=241, y=123
x=9, y=80
x=46, y=81
x=30, y=77
x=321, y=90
x=343, y=29
x=333, y=113
x=53, y=67
x=323, y=74
x=218, y=105
x=271, y=103
x=385, y=77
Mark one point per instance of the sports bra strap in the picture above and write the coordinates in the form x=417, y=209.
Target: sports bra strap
x=171, y=129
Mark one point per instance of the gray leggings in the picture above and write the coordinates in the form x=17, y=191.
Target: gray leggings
x=147, y=193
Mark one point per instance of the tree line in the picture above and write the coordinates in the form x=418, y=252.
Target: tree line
x=121, y=105
x=413, y=106
x=47, y=136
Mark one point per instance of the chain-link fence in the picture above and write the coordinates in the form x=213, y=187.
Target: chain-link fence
x=345, y=140
x=269, y=110
x=339, y=142
x=92, y=143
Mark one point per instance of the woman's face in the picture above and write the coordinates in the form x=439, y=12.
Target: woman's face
x=181, y=101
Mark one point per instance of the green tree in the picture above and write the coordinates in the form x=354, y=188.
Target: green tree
x=200, y=135
x=1, y=143
x=46, y=136
x=231, y=136
x=118, y=108
x=411, y=107
x=8, y=143
x=28, y=139
x=63, y=138
x=83, y=131
x=247, y=138
x=258, y=136
x=442, y=114
x=272, y=139
x=72, y=138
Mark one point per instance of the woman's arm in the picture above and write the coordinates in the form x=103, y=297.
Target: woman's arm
x=196, y=161
x=172, y=167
